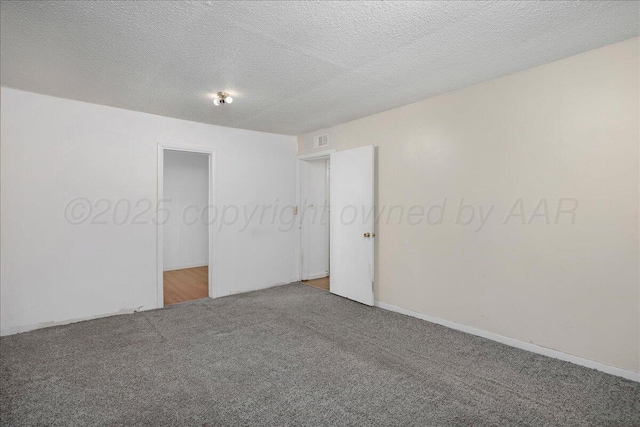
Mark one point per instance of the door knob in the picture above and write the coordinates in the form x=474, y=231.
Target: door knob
x=367, y=234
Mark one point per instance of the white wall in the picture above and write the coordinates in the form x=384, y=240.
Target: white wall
x=314, y=211
x=186, y=195
x=55, y=151
x=568, y=129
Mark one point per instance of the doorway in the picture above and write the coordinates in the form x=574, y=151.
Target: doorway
x=314, y=210
x=350, y=221
x=185, y=198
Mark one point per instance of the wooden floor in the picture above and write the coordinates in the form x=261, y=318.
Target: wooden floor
x=186, y=284
x=322, y=283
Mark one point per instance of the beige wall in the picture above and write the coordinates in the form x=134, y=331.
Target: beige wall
x=566, y=132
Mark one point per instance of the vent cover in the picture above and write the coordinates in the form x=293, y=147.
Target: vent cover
x=321, y=141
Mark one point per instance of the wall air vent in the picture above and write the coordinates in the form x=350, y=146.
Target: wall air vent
x=321, y=141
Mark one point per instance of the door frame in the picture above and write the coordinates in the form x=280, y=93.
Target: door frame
x=162, y=147
x=325, y=154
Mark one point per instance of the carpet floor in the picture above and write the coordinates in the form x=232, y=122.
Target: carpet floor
x=292, y=355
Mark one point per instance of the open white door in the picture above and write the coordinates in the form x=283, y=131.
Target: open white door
x=352, y=223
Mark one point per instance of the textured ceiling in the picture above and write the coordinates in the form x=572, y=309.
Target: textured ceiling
x=291, y=67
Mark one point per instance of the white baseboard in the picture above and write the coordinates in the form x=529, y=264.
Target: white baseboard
x=317, y=275
x=630, y=375
x=182, y=267
x=217, y=293
x=33, y=327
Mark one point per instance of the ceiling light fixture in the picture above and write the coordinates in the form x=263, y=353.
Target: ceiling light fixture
x=222, y=98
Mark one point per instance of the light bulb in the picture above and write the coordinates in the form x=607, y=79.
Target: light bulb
x=216, y=101
x=228, y=100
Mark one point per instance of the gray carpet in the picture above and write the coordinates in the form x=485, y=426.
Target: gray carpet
x=292, y=355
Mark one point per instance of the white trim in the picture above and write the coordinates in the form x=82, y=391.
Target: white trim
x=159, y=233
x=318, y=155
x=317, y=275
x=299, y=222
x=184, y=266
x=32, y=327
x=159, y=229
x=534, y=348
x=258, y=288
